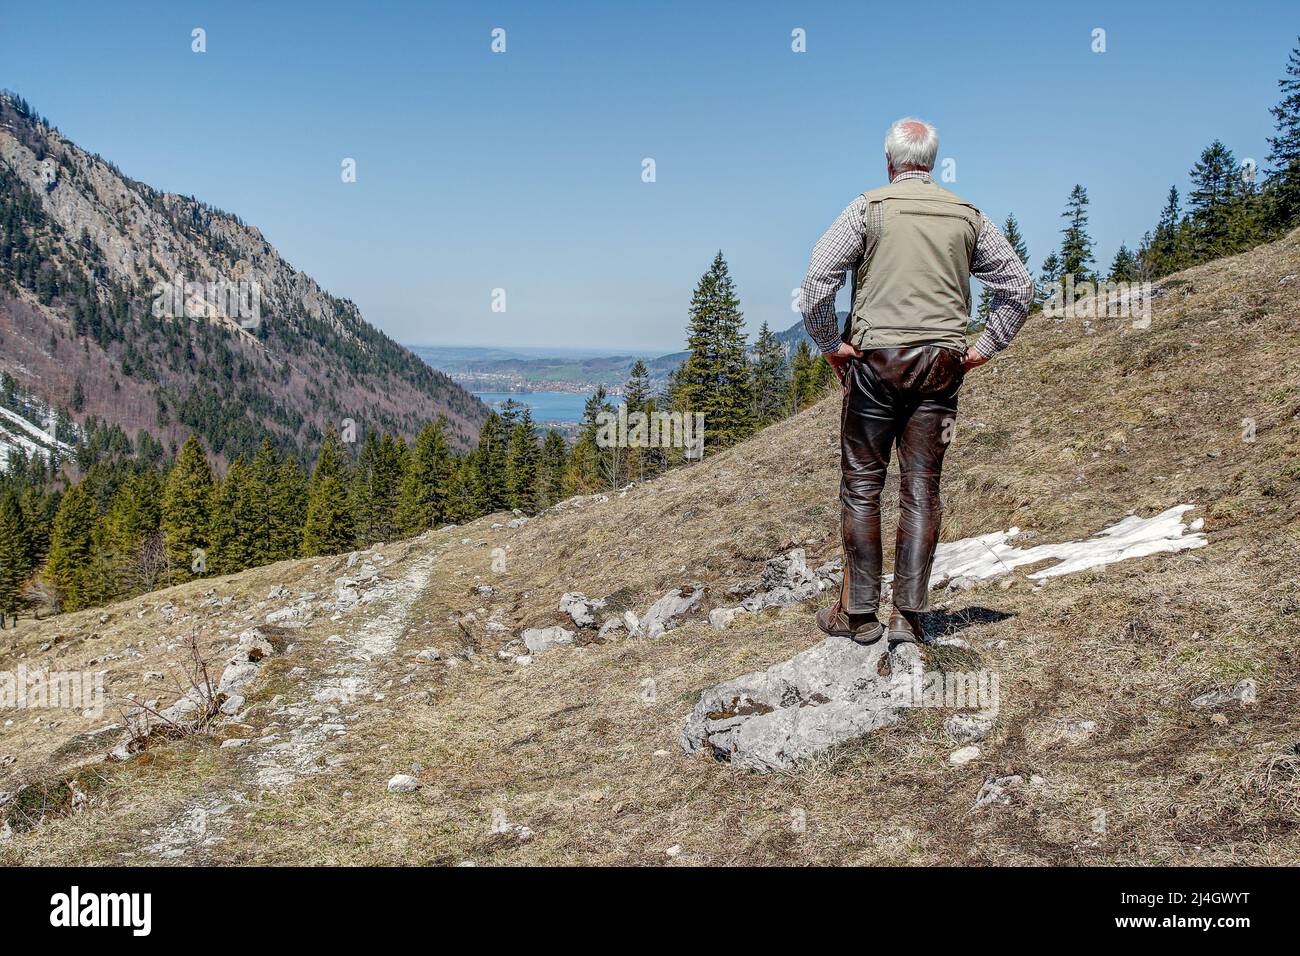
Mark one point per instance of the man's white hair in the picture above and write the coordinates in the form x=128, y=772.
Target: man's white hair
x=911, y=142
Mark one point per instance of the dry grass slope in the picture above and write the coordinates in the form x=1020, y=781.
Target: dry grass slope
x=1062, y=436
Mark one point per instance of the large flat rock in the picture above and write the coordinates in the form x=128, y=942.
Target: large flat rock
x=826, y=695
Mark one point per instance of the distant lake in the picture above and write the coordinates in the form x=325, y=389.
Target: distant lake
x=546, y=406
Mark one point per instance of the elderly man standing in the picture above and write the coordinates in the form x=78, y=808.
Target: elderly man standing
x=901, y=358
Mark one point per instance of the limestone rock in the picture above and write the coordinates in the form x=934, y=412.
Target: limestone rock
x=403, y=783
x=666, y=613
x=580, y=608
x=968, y=728
x=722, y=618
x=540, y=639
x=1242, y=693
x=826, y=695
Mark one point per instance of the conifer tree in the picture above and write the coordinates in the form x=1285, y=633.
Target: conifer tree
x=490, y=488
x=811, y=377
x=1123, y=267
x=187, y=511
x=638, y=398
x=715, y=376
x=329, y=526
x=1284, y=148
x=423, y=495
x=236, y=527
x=259, y=502
x=131, y=525
x=1049, y=278
x=1216, y=186
x=385, y=486
x=14, y=566
x=637, y=391
x=771, y=388
x=552, y=486
x=521, y=464
x=361, y=486
x=288, y=511
x=1011, y=230
x=586, y=467
x=1165, y=253
x=460, y=504
x=1076, y=245
x=72, y=566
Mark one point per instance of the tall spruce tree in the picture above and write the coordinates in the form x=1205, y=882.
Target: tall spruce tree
x=1076, y=245
x=330, y=525
x=715, y=377
x=490, y=487
x=237, y=528
x=1216, y=187
x=638, y=397
x=259, y=501
x=131, y=524
x=187, y=511
x=1165, y=253
x=288, y=510
x=1048, y=278
x=637, y=391
x=1284, y=149
x=771, y=383
x=521, y=463
x=422, y=500
x=14, y=566
x=811, y=376
x=1123, y=268
x=73, y=567
x=586, y=465
x=360, y=487
x=552, y=478
x=1011, y=230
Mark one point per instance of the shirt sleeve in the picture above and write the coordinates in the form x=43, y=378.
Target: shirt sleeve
x=836, y=251
x=996, y=264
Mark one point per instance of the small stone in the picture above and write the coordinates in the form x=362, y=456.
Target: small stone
x=539, y=639
x=1243, y=693
x=403, y=783
x=959, y=758
x=968, y=728
x=721, y=618
x=998, y=790
x=674, y=851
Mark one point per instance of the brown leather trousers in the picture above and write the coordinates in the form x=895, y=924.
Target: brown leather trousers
x=904, y=396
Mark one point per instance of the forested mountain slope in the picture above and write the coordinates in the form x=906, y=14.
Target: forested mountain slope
x=82, y=249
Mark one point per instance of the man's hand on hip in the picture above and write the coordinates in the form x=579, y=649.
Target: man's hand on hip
x=973, y=359
x=839, y=359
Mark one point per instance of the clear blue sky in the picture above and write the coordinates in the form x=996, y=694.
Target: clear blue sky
x=522, y=170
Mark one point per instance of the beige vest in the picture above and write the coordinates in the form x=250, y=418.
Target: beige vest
x=913, y=287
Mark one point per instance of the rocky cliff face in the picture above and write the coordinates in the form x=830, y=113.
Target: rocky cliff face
x=175, y=317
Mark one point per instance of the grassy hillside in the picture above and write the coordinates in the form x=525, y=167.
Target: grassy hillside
x=574, y=757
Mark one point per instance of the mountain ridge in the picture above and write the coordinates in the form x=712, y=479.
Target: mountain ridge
x=86, y=255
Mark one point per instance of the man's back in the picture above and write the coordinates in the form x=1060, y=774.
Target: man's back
x=913, y=286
